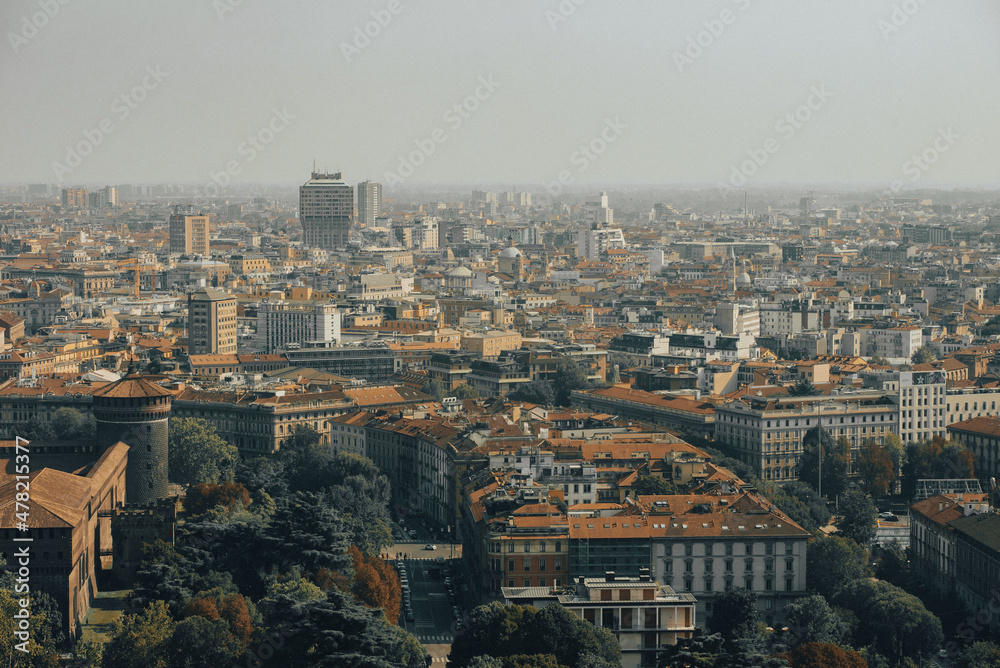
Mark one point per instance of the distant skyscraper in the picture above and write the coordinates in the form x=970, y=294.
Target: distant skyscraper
x=326, y=207
x=188, y=234
x=369, y=202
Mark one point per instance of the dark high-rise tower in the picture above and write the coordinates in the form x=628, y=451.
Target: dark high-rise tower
x=326, y=209
x=136, y=411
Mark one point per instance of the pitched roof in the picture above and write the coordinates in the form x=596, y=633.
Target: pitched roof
x=132, y=387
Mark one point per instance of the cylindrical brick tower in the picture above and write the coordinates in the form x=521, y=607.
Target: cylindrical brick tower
x=135, y=411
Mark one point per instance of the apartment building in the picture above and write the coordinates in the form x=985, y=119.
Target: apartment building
x=189, y=234
x=981, y=435
x=700, y=545
x=529, y=548
x=933, y=540
x=280, y=323
x=211, y=322
x=921, y=398
x=642, y=614
x=257, y=423
x=766, y=432
x=491, y=343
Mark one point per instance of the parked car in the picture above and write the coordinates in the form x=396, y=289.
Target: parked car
x=430, y=546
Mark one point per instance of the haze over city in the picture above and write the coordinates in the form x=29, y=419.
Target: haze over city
x=695, y=86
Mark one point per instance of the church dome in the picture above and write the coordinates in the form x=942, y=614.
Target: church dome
x=510, y=251
x=743, y=279
x=459, y=272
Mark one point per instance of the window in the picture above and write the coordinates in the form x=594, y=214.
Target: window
x=748, y=584
x=541, y=564
x=708, y=549
x=558, y=564
x=729, y=549
x=789, y=583
x=510, y=565
x=527, y=547
x=541, y=546
x=688, y=550
x=510, y=547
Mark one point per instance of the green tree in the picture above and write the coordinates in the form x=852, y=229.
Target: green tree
x=936, y=458
x=923, y=355
x=980, y=654
x=875, y=469
x=197, y=453
x=41, y=641
x=833, y=562
x=897, y=625
x=69, y=424
x=803, y=388
x=646, y=484
x=435, y=389
x=535, y=392
x=893, y=445
x=734, y=615
x=857, y=520
x=498, y=630
x=836, y=456
x=140, y=640
x=878, y=360
x=891, y=564
x=569, y=376
x=812, y=620
x=465, y=391
x=198, y=642
x=335, y=631
x=304, y=532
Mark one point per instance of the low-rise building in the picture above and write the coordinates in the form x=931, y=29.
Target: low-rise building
x=642, y=614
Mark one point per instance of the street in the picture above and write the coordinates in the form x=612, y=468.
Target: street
x=433, y=621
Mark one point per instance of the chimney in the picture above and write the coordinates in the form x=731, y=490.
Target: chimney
x=940, y=506
x=609, y=576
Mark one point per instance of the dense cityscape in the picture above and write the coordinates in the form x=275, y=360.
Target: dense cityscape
x=388, y=336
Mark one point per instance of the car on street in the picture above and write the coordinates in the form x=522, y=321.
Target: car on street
x=430, y=546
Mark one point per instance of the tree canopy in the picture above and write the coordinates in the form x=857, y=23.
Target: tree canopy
x=857, y=520
x=836, y=461
x=501, y=631
x=876, y=469
x=654, y=484
x=197, y=454
x=833, y=562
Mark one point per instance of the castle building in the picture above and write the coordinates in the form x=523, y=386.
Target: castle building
x=135, y=411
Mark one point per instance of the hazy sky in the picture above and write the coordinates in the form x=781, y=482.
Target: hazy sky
x=887, y=81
